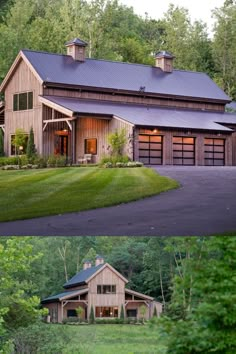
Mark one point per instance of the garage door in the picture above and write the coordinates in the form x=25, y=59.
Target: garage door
x=214, y=152
x=150, y=149
x=183, y=150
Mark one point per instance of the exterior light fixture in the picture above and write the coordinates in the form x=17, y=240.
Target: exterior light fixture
x=154, y=130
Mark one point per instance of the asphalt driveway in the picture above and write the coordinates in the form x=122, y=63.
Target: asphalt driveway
x=204, y=205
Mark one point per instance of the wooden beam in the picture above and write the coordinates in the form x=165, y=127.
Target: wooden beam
x=56, y=106
x=58, y=120
x=3, y=128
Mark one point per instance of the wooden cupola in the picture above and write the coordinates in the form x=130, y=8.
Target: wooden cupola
x=164, y=60
x=99, y=260
x=76, y=48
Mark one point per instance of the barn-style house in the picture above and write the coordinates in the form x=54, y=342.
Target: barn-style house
x=102, y=288
x=171, y=117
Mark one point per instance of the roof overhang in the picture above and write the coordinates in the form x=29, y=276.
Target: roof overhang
x=141, y=115
x=68, y=296
x=13, y=68
x=142, y=296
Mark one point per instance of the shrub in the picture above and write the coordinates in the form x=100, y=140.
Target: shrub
x=117, y=141
x=91, y=315
x=56, y=161
x=31, y=149
x=8, y=161
x=114, y=159
x=1, y=143
x=40, y=161
x=122, y=314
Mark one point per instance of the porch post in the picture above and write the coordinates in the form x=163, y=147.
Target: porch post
x=73, y=141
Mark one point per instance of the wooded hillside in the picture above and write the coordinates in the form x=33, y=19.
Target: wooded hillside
x=115, y=32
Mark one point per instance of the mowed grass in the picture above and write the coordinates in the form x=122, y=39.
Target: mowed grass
x=110, y=339
x=26, y=194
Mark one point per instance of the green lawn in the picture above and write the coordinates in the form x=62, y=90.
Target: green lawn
x=32, y=193
x=109, y=339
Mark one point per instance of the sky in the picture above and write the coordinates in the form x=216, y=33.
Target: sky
x=198, y=9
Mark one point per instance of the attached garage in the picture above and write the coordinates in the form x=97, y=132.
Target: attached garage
x=183, y=150
x=214, y=152
x=151, y=149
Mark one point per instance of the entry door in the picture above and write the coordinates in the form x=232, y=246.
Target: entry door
x=214, y=152
x=64, y=145
x=131, y=313
x=150, y=149
x=183, y=150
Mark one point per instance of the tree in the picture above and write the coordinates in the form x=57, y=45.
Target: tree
x=19, y=140
x=31, y=149
x=122, y=314
x=18, y=307
x=117, y=141
x=79, y=310
x=1, y=143
x=205, y=288
x=143, y=310
x=91, y=315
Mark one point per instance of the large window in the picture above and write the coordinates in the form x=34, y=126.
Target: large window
x=22, y=149
x=23, y=101
x=90, y=146
x=214, y=152
x=183, y=150
x=106, y=289
x=106, y=312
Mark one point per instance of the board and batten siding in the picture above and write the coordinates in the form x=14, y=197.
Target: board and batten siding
x=136, y=99
x=168, y=135
x=23, y=80
x=106, y=277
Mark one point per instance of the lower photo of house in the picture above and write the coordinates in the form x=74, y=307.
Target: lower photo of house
x=99, y=291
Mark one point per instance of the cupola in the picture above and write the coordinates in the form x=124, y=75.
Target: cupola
x=164, y=60
x=99, y=260
x=87, y=264
x=76, y=48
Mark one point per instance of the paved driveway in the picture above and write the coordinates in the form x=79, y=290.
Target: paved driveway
x=204, y=205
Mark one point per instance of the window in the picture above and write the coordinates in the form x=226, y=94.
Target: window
x=90, y=146
x=71, y=313
x=23, y=148
x=106, y=312
x=106, y=289
x=22, y=101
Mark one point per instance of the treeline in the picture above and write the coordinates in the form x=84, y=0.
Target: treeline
x=194, y=278
x=113, y=31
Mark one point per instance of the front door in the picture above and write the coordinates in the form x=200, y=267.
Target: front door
x=131, y=313
x=61, y=143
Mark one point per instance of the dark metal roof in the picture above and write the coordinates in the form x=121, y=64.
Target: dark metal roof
x=62, y=295
x=148, y=116
x=77, y=41
x=164, y=54
x=64, y=70
x=81, y=277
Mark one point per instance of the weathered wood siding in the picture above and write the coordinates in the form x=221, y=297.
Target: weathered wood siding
x=199, y=144
x=118, y=124
x=87, y=128
x=140, y=99
x=106, y=277
x=136, y=306
x=23, y=80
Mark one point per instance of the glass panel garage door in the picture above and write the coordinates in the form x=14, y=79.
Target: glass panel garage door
x=214, y=152
x=150, y=149
x=183, y=151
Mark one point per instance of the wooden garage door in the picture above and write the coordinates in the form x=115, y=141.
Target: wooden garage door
x=183, y=150
x=150, y=149
x=214, y=152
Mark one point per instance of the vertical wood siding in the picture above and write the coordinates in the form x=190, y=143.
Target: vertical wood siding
x=23, y=80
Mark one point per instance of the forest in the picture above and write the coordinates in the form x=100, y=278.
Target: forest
x=114, y=32
x=193, y=277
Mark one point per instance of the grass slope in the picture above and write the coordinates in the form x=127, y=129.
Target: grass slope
x=107, y=339
x=32, y=193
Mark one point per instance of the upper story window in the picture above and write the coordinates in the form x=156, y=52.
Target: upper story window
x=23, y=101
x=106, y=289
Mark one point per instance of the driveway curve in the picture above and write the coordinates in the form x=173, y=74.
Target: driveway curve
x=205, y=204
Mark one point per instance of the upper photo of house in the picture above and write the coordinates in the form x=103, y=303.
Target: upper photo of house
x=171, y=117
